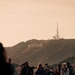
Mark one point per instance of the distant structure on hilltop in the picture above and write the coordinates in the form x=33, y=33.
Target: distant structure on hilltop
x=56, y=37
x=35, y=45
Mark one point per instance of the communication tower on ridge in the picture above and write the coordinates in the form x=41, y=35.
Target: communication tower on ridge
x=56, y=37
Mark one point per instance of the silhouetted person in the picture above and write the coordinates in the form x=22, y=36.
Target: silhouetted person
x=51, y=72
x=5, y=67
x=70, y=68
x=19, y=69
x=40, y=70
x=27, y=70
x=59, y=68
x=12, y=66
x=56, y=72
x=46, y=68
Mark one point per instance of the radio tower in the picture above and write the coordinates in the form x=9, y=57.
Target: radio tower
x=57, y=34
x=56, y=37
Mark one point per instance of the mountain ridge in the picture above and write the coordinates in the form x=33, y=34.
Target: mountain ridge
x=42, y=51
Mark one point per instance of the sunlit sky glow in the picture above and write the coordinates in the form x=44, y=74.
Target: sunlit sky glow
x=22, y=20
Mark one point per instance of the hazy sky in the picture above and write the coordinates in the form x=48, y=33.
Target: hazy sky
x=22, y=20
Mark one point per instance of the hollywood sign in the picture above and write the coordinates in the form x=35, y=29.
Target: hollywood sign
x=35, y=45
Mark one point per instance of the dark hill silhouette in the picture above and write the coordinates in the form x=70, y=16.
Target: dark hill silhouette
x=42, y=51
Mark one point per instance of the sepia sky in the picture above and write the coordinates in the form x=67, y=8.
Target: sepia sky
x=22, y=20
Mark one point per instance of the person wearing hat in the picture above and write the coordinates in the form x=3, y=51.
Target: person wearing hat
x=64, y=69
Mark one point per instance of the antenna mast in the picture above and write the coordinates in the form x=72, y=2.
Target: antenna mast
x=57, y=34
x=56, y=37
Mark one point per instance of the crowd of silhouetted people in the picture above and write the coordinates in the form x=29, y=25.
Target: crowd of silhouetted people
x=7, y=68
x=61, y=69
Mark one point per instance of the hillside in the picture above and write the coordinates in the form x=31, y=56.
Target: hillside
x=42, y=51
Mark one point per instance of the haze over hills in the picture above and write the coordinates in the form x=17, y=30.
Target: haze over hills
x=42, y=51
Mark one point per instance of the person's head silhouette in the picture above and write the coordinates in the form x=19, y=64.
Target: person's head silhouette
x=3, y=54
